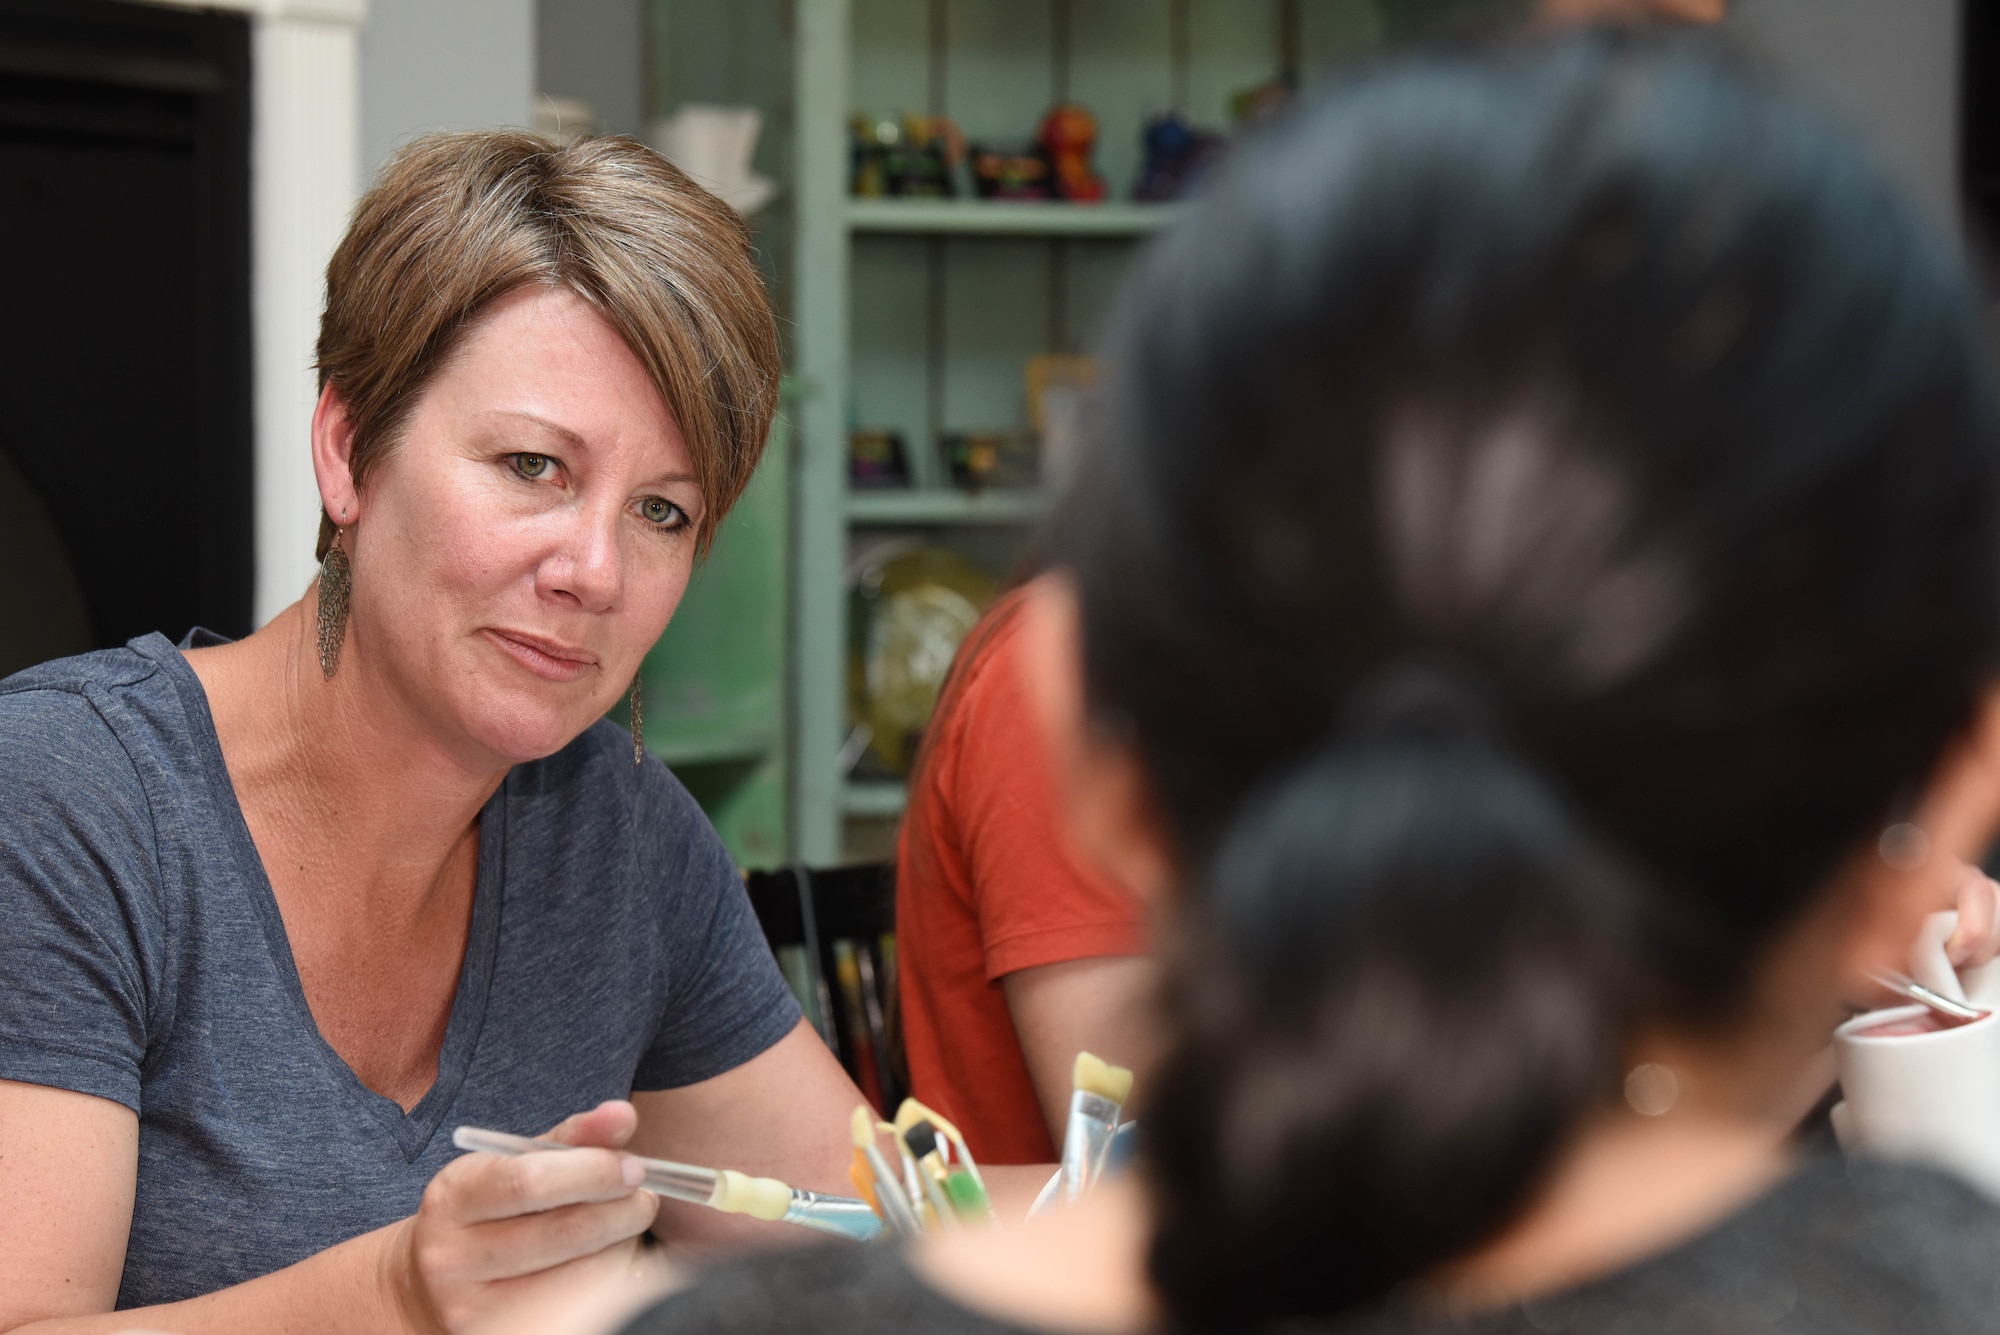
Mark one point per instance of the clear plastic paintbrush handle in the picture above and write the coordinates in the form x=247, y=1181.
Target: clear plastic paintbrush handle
x=676, y=1181
x=841, y=1216
x=1093, y=1121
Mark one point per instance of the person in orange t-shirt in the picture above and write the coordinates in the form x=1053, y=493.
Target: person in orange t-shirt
x=1013, y=956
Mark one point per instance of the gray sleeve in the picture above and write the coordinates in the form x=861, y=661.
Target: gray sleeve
x=78, y=900
x=830, y=1290
x=726, y=1002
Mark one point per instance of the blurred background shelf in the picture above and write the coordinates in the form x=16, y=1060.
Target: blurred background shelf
x=917, y=318
x=987, y=217
x=716, y=704
x=880, y=799
x=931, y=505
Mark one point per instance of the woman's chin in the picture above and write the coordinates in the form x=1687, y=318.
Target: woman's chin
x=519, y=735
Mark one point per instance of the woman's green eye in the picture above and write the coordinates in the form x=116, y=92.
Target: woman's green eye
x=659, y=510
x=531, y=465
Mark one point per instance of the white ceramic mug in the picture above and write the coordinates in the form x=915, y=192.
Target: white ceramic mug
x=1931, y=1098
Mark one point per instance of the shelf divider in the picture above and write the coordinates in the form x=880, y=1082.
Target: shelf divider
x=990, y=217
x=879, y=798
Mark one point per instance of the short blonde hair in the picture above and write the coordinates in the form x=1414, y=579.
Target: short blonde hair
x=458, y=221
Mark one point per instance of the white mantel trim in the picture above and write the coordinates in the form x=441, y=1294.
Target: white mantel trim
x=351, y=12
x=305, y=174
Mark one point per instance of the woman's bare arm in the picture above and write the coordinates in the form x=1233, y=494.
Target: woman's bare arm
x=68, y=1165
x=491, y=1233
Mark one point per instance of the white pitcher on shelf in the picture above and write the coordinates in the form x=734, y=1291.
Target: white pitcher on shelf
x=714, y=145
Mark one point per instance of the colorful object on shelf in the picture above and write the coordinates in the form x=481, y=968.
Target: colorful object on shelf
x=1176, y=156
x=910, y=156
x=877, y=459
x=1067, y=135
x=1055, y=385
x=1010, y=173
x=982, y=459
x=1252, y=106
x=910, y=609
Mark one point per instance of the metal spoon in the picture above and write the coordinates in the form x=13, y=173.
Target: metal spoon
x=1904, y=986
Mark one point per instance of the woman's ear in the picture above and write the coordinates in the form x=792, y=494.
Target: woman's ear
x=1099, y=781
x=333, y=458
x=1916, y=869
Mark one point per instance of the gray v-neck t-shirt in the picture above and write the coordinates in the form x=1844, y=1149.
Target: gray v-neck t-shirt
x=143, y=960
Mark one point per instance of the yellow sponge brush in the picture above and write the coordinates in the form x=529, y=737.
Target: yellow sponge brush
x=1096, y=1076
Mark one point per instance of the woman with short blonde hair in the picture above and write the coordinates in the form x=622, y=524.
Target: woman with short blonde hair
x=284, y=912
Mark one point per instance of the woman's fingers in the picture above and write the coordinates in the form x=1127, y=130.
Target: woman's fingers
x=610, y=1123
x=1976, y=939
x=531, y=1243
x=490, y=1223
x=479, y=1188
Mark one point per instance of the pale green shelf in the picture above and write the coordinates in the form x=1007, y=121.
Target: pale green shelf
x=881, y=799
x=987, y=217
x=919, y=316
x=931, y=505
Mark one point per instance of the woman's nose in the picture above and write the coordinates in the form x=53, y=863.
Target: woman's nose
x=587, y=567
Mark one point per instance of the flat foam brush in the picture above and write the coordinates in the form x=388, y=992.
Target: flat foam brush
x=1097, y=1098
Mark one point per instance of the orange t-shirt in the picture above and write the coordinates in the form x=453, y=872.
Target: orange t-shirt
x=986, y=885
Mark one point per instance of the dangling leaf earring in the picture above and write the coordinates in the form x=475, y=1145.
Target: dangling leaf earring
x=638, y=707
x=335, y=583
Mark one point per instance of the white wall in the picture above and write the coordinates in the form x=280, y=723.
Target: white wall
x=1889, y=66
x=443, y=65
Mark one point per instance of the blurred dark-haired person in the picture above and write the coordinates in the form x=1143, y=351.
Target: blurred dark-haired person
x=1016, y=952
x=1545, y=528
x=276, y=916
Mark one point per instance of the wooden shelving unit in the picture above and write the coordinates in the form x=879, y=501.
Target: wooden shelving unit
x=919, y=316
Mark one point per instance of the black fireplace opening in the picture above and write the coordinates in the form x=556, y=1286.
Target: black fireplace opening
x=125, y=377
x=1979, y=134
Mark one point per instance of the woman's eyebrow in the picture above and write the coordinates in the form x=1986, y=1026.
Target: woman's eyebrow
x=568, y=436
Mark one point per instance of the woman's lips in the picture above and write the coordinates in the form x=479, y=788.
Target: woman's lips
x=548, y=659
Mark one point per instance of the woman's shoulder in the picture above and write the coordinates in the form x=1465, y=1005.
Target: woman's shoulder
x=1845, y=1246
x=77, y=715
x=831, y=1290
x=47, y=685
x=1912, y=1239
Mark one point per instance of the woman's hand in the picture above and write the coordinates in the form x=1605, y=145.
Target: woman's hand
x=1976, y=939
x=494, y=1231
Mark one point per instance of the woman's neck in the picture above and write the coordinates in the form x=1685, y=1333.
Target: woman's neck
x=1631, y=1187
x=337, y=776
